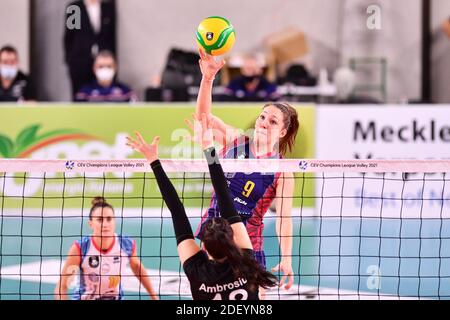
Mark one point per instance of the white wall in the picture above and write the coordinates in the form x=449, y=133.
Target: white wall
x=398, y=40
x=15, y=26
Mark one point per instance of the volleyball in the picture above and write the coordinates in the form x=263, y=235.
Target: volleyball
x=215, y=35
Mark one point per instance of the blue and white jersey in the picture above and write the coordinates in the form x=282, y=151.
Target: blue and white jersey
x=101, y=270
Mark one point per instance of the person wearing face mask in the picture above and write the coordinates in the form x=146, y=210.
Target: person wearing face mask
x=105, y=88
x=96, y=32
x=251, y=85
x=14, y=84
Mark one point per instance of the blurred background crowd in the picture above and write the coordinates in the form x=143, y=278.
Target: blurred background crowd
x=343, y=51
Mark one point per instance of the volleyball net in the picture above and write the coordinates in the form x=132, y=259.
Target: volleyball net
x=362, y=229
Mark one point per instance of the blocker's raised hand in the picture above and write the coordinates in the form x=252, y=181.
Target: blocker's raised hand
x=149, y=151
x=202, y=130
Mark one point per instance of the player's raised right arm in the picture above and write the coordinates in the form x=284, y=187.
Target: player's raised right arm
x=209, y=67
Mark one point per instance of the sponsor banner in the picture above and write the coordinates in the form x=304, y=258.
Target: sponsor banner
x=98, y=132
x=96, y=168
x=384, y=132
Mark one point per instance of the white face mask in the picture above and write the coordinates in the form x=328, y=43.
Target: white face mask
x=8, y=72
x=104, y=74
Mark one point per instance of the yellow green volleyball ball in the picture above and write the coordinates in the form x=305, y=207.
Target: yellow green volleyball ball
x=215, y=35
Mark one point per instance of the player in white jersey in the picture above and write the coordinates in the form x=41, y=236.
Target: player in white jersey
x=101, y=259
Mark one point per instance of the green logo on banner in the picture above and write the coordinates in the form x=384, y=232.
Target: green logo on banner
x=29, y=141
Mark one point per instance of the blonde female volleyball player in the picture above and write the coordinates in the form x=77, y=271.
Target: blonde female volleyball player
x=101, y=258
x=232, y=273
x=275, y=132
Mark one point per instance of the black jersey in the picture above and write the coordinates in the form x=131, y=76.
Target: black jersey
x=211, y=280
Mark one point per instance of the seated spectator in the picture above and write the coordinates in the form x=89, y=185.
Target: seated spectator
x=251, y=85
x=14, y=84
x=105, y=88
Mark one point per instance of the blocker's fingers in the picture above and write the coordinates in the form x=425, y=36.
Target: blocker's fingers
x=194, y=116
x=140, y=138
x=189, y=124
x=130, y=141
x=132, y=145
x=155, y=140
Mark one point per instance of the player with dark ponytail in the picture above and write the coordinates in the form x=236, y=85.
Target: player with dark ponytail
x=219, y=243
x=232, y=273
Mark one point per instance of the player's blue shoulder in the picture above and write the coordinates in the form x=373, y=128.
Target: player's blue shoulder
x=239, y=148
x=126, y=244
x=84, y=244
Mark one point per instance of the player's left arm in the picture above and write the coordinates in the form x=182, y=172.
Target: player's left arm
x=140, y=272
x=219, y=182
x=284, y=196
x=186, y=245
